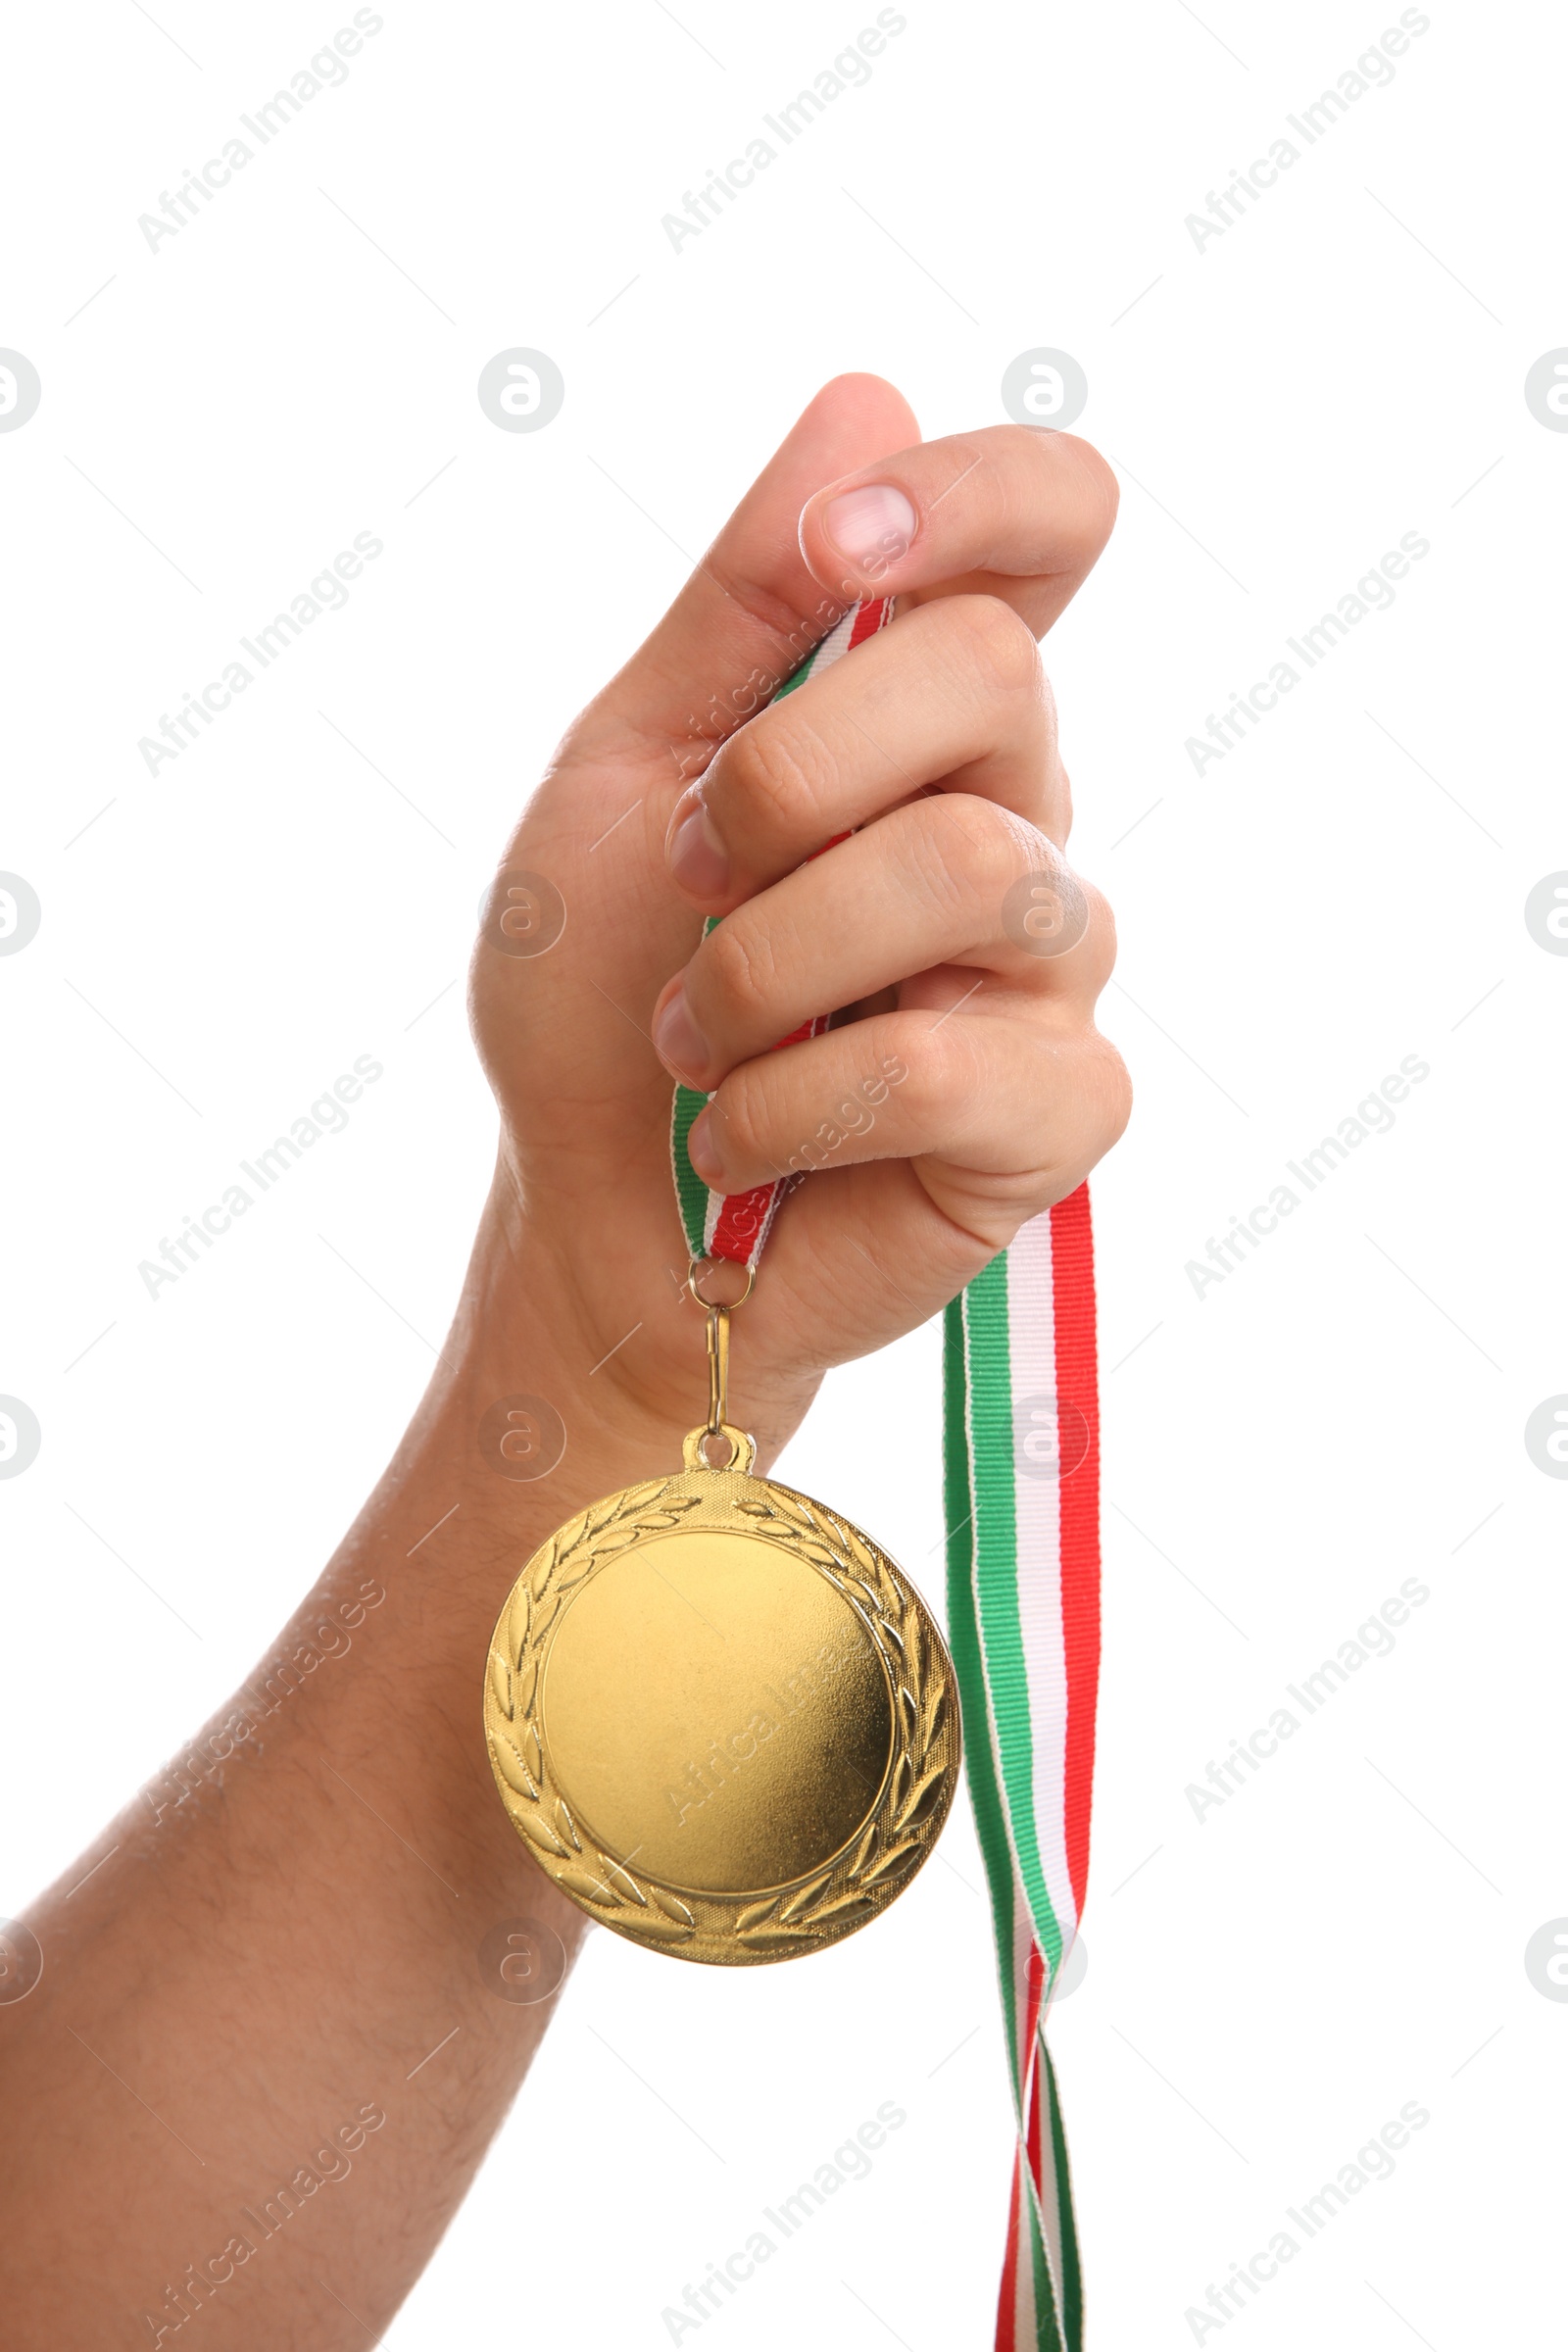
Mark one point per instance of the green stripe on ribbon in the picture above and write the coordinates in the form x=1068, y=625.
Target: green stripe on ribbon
x=690, y=1190
x=801, y=674
x=1048, y=2334
x=963, y=1642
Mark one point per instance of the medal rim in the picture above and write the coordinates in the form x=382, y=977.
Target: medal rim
x=902, y=1822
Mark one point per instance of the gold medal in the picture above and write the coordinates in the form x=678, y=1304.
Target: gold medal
x=719, y=1716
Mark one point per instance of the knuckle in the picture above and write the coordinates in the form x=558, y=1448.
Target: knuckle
x=1101, y=933
x=1109, y=1089
x=974, y=848
x=925, y=1058
x=739, y=968
x=1068, y=480
x=1059, y=806
x=994, y=641
x=1101, y=912
x=946, y=853
x=775, y=770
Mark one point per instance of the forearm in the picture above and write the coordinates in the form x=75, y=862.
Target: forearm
x=289, y=1923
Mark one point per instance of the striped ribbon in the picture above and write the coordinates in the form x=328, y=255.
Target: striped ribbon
x=737, y=1226
x=1021, y=1492
x=1021, y=1458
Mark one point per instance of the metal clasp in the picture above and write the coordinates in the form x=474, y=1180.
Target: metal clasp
x=718, y=1426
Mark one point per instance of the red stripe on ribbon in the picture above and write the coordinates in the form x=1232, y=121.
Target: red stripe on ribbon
x=1036, y=2165
x=741, y=1226
x=1072, y=1259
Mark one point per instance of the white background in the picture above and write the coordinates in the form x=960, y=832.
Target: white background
x=1265, y=1986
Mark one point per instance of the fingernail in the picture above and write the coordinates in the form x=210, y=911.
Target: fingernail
x=873, y=525
x=700, y=1150
x=698, y=859
x=678, y=1041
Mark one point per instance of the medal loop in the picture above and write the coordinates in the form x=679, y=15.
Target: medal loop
x=742, y=1448
x=696, y=1267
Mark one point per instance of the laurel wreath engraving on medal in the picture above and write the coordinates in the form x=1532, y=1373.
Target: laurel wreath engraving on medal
x=890, y=1847
x=612, y=1892
x=903, y=1817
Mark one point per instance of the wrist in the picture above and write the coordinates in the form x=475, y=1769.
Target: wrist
x=522, y=1425
x=535, y=1410
x=538, y=1318
x=510, y=1439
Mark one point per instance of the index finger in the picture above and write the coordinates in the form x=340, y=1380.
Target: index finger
x=1014, y=510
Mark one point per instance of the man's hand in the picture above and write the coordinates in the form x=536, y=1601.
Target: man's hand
x=970, y=1088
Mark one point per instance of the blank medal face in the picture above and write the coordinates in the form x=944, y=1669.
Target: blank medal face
x=721, y=1718
x=713, y=1706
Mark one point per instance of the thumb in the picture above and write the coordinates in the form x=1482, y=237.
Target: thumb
x=753, y=605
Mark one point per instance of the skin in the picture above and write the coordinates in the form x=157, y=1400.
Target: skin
x=275, y=1943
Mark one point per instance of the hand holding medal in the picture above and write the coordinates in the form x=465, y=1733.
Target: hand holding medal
x=719, y=1716
x=788, y=914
